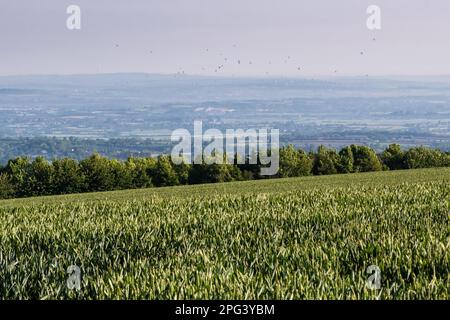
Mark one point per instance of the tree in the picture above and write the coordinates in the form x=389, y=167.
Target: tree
x=294, y=163
x=39, y=180
x=346, y=160
x=18, y=171
x=210, y=172
x=67, y=176
x=365, y=159
x=251, y=168
x=7, y=189
x=325, y=161
x=98, y=173
x=164, y=174
x=123, y=175
x=140, y=169
x=182, y=171
x=393, y=157
x=422, y=157
x=235, y=173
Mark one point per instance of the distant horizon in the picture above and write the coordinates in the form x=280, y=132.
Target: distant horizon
x=240, y=76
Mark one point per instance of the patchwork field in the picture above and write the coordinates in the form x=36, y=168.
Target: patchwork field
x=300, y=238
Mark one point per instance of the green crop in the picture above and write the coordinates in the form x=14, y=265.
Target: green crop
x=307, y=238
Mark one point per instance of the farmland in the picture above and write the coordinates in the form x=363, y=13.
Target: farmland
x=298, y=238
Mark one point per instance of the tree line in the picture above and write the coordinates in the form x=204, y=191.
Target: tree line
x=25, y=177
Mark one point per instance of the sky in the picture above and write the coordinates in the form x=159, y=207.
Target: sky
x=226, y=37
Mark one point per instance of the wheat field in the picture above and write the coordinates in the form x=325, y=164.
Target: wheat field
x=301, y=238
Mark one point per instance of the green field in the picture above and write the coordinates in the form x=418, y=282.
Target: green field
x=300, y=238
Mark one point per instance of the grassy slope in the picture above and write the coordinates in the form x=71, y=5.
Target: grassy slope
x=300, y=238
x=255, y=187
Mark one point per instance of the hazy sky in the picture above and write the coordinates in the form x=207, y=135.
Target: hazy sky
x=273, y=37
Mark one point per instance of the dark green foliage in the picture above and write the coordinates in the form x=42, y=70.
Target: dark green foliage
x=98, y=172
x=22, y=177
x=210, y=172
x=164, y=174
x=182, y=171
x=67, y=176
x=346, y=160
x=140, y=169
x=39, y=180
x=326, y=161
x=422, y=157
x=393, y=157
x=7, y=189
x=294, y=163
x=365, y=159
x=18, y=171
x=251, y=168
x=122, y=174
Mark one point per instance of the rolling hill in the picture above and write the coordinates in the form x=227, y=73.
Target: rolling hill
x=300, y=238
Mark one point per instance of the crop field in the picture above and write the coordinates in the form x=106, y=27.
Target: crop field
x=300, y=238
